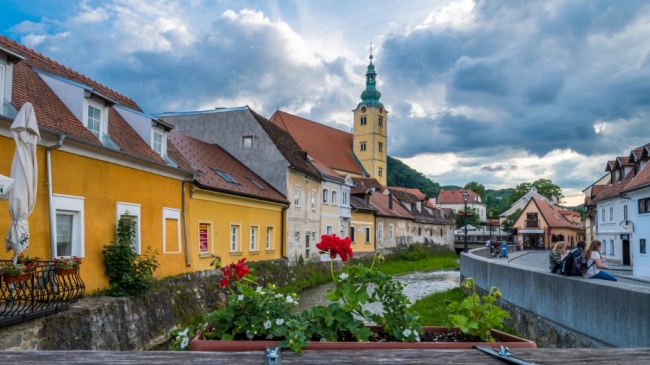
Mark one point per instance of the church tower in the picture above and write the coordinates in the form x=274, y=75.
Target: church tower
x=370, y=129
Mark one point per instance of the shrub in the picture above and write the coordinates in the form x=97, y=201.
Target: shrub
x=128, y=273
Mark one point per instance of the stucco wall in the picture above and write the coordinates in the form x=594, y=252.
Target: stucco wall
x=609, y=313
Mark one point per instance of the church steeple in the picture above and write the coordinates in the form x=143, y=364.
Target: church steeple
x=370, y=96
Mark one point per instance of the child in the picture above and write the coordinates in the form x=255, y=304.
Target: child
x=504, y=249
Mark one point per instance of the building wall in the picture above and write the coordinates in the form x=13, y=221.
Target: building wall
x=640, y=261
x=215, y=213
x=302, y=219
x=480, y=208
x=362, y=220
x=402, y=233
x=609, y=229
x=102, y=185
x=372, y=159
x=329, y=211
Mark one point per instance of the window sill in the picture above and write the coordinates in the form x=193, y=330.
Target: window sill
x=206, y=256
x=269, y=250
x=257, y=252
x=236, y=253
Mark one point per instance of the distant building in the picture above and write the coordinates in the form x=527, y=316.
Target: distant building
x=453, y=199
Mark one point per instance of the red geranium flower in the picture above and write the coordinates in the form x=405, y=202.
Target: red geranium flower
x=335, y=246
x=234, y=271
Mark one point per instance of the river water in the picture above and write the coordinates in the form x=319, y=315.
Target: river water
x=416, y=286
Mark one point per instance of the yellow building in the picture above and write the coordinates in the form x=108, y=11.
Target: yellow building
x=99, y=158
x=542, y=224
x=232, y=212
x=362, y=226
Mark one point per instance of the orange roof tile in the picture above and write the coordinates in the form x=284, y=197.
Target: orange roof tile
x=381, y=202
x=552, y=214
x=330, y=145
x=455, y=196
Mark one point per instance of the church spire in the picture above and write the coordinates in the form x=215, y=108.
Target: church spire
x=370, y=96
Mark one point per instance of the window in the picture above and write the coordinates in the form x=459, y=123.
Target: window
x=644, y=205
x=307, y=244
x=171, y=230
x=69, y=225
x=94, y=119
x=381, y=121
x=362, y=146
x=157, y=141
x=611, y=247
x=334, y=197
x=253, y=246
x=344, y=199
x=225, y=176
x=247, y=142
x=622, y=173
x=269, y=238
x=624, y=210
x=380, y=172
x=296, y=236
x=602, y=215
x=380, y=231
x=367, y=234
x=131, y=212
x=604, y=248
x=352, y=233
x=391, y=232
x=313, y=200
x=296, y=197
x=2, y=88
x=611, y=213
x=259, y=186
x=325, y=195
x=642, y=245
x=419, y=231
x=328, y=230
x=205, y=236
x=234, y=238
x=380, y=147
x=363, y=120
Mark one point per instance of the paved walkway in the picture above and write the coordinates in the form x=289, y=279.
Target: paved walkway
x=539, y=259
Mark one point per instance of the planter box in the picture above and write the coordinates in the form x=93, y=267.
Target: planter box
x=18, y=278
x=66, y=271
x=510, y=341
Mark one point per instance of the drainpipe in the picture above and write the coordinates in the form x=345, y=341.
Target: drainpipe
x=52, y=212
x=187, y=252
x=284, y=234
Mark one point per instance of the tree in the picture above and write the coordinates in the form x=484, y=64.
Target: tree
x=472, y=218
x=477, y=188
x=544, y=187
x=400, y=174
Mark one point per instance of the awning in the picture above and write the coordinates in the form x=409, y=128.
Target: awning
x=530, y=230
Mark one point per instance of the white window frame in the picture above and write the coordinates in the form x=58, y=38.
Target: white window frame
x=133, y=210
x=363, y=120
x=163, y=141
x=367, y=236
x=209, y=237
x=243, y=142
x=313, y=200
x=103, y=117
x=380, y=231
x=362, y=146
x=254, y=237
x=624, y=212
x=296, y=197
x=326, y=194
x=334, y=197
x=602, y=215
x=173, y=214
x=380, y=172
x=611, y=247
x=2, y=85
x=611, y=212
x=603, y=250
x=269, y=238
x=72, y=205
x=391, y=232
x=329, y=230
x=344, y=198
x=235, y=237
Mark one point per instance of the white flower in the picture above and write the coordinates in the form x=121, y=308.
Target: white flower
x=407, y=332
x=279, y=295
x=240, y=297
x=289, y=299
x=279, y=321
x=343, y=276
x=185, y=342
x=415, y=333
x=267, y=324
x=184, y=333
x=417, y=339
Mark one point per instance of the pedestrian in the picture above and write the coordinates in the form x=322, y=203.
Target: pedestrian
x=504, y=249
x=488, y=243
x=596, y=263
x=567, y=263
x=556, y=256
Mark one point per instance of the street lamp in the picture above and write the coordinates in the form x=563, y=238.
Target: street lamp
x=509, y=221
x=465, y=197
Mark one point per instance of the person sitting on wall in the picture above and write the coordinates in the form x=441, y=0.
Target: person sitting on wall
x=488, y=243
x=596, y=262
x=556, y=256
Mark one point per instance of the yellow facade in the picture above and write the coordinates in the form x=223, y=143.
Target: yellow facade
x=101, y=186
x=370, y=140
x=361, y=222
x=213, y=215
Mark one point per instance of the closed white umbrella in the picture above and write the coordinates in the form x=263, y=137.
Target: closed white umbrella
x=24, y=171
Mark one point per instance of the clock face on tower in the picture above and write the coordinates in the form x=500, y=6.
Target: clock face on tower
x=381, y=109
x=363, y=109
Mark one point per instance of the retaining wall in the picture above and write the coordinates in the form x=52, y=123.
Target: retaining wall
x=560, y=311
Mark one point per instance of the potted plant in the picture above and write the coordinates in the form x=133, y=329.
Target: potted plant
x=28, y=260
x=65, y=266
x=17, y=273
x=255, y=317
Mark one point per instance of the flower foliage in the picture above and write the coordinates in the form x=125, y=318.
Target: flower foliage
x=477, y=317
x=19, y=268
x=335, y=246
x=67, y=262
x=254, y=312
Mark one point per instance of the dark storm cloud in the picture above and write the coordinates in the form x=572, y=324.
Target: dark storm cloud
x=547, y=72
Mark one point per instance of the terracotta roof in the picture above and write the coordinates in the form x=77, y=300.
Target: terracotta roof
x=623, y=161
x=611, y=190
x=640, y=180
x=53, y=115
x=330, y=145
x=360, y=204
x=325, y=170
x=288, y=146
x=381, y=203
x=553, y=214
x=456, y=197
x=420, y=195
x=636, y=154
x=611, y=165
x=362, y=184
x=209, y=158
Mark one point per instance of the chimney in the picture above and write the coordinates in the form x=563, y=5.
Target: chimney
x=390, y=200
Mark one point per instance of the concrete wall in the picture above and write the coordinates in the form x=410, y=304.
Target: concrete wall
x=601, y=312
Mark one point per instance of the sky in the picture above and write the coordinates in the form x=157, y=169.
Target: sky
x=497, y=92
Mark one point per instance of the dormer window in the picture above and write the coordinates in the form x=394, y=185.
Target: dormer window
x=622, y=173
x=94, y=121
x=157, y=141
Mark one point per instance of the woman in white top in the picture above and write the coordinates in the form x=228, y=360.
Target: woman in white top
x=595, y=262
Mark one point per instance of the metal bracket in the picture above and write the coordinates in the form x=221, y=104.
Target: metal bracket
x=504, y=355
x=272, y=356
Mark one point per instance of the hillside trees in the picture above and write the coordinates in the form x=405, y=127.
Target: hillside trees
x=478, y=188
x=400, y=174
x=544, y=187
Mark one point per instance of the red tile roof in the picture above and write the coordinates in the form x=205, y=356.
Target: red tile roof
x=381, y=203
x=325, y=170
x=330, y=145
x=360, y=204
x=455, y=196
x=362, y=184
x=553, y=214
x=611, y=190
x=205, y=157
x=420, y=195
x=640, y=180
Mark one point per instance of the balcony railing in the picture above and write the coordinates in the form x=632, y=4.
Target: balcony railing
x=532, y=223
x=44, y=292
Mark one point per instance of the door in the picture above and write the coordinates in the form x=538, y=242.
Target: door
x=626, y=252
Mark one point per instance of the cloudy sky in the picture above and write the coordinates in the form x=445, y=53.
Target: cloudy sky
x=499, y=92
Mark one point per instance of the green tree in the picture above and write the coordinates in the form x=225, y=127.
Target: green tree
x=472, y=218
x=544, y=187
x=507, y=226
x=477, y=188
x=401, y=175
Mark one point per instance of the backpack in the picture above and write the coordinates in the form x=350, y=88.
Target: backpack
x=567, y=262
x=580, y=264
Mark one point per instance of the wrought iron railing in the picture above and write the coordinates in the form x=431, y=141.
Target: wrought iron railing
x=532, y=223
x=44, y=291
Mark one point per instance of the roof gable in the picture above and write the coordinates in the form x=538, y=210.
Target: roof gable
x=456, y=197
